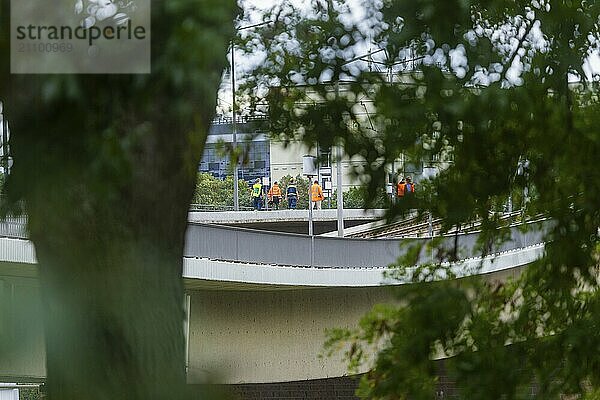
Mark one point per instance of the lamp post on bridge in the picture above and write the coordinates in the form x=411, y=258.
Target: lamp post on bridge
x=309, y=169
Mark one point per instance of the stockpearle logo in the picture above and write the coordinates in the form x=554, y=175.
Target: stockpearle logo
x=81, y=36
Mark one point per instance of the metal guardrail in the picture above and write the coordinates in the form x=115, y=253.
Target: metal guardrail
x=15, y=227
x=246, y=245
x=209, y=208
x=242, y=245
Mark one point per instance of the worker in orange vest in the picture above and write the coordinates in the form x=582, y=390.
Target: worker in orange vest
x=406, y=187
x=401, y=188
x=275, y=195
x=316, y=195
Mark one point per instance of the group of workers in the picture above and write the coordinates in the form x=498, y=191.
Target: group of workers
x=274, y=195
x=404, y=189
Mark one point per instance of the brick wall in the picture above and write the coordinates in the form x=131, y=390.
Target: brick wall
x=317, y=389
x=341, y=388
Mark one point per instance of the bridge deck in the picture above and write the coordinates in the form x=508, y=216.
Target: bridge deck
x=237, y=255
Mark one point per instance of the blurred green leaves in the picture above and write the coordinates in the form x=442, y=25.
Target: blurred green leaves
x=105, y=167
x=501, y=89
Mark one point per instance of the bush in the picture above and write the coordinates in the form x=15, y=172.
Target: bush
x=219, y=193
x=356, y=197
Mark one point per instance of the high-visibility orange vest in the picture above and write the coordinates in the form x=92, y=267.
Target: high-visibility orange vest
x=401, y=188
x=275, y=191
x=316, y=192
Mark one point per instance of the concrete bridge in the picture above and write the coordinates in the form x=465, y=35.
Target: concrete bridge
x=259, y=302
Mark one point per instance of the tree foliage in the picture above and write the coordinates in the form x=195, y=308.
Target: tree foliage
x=492, y=89
x=105, y=167
x=218, y=193
x=357, y=196
x=503, y=86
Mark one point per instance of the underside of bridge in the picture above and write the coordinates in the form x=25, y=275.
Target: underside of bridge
x=319, y=227
x=235, y=336
x=246, y=335
x=271, y=336
x=288, y=221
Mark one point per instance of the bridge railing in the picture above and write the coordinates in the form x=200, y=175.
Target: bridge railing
x=251, y=246
x=286, y=249
x=14, y=227
x=210, y=208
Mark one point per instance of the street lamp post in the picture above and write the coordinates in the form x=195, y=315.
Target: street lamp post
x=310, y=208
x=236, y=195
x=340, y=190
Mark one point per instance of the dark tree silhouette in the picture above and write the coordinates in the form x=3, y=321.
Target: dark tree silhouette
x=105, y=167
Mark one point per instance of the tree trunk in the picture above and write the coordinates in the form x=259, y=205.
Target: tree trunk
x=106, y=167
x=113, y=321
